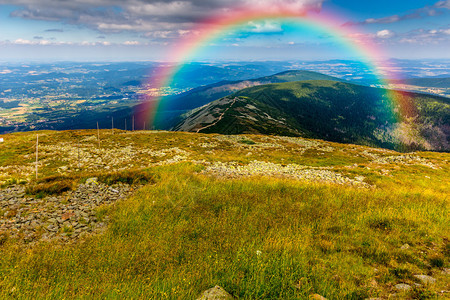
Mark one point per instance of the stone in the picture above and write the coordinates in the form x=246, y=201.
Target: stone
x=425, y=279
x=215, y=293
x=92, y=180
x=404, y=247
x=67, y=215
x=24, y=216
x=402, y=287
x=317, y=297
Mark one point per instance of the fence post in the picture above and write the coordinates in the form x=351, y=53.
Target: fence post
x=98, y=135
x=37, y=151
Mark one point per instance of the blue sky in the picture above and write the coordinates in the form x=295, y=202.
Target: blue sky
x=114, y=30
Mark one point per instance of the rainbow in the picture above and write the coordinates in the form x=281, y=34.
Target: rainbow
x=209, y=29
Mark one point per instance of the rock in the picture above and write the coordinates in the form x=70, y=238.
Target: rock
x=52, y=220
x=446, y=271
x=215, y=293
x=317, y=297
x=404, y=247
x=92, y=180
x=425, y=279
x=402, y=287
x=25, y=216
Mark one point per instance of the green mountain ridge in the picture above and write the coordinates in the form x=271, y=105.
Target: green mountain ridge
x=175, y=105
x=330, y=110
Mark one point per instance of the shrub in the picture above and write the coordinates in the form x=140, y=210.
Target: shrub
x=3, y=238
x=49, y=187
x=129, y=177
x=437, y=261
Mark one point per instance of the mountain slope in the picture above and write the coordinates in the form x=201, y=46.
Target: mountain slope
x=330, y=110
x=176, y=105
x=435, y=82
x=265, y=217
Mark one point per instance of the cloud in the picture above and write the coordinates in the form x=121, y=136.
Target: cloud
x=443, y=4
x=131, y=43
x=58, y=43
x=265, y=27
x=433, y=10
x=54, y=30
x=425, y=36
x=151, y=18
x=384, y=34
x=28, y=42
x=38, y=37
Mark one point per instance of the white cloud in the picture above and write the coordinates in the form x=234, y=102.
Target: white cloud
x=265, y=27
x=386, y=33
x=131, y=43
x=428, y=11
x=57, y=43
x=443, y=4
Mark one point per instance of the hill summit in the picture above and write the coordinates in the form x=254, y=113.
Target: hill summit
x=330, y=110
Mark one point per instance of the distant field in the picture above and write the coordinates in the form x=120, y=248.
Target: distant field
x=264, y=217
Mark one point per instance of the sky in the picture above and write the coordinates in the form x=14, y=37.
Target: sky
x=130, y=30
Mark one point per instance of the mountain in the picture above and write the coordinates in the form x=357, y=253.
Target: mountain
x=176, y=105
x=330, y=110
x=435, y=82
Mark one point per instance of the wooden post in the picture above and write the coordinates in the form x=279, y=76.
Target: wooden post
x=133, y=122
x=98, y=135
x=125, y=124
x=37, y=151
x=78, y=155
x=112, y=125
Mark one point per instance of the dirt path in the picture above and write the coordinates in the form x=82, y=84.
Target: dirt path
x=220, y=117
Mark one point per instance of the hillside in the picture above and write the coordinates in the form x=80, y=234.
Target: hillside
x=167, y=215
x=330, y=110
x=173, y=106
x=436, y=82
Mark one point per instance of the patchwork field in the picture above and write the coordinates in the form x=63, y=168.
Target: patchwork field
x=167, y=215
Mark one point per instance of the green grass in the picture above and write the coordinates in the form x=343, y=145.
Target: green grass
x=257, y=237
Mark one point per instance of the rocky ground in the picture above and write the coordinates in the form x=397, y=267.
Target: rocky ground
x=65, y=217
x=294, y=171
x=68, y=216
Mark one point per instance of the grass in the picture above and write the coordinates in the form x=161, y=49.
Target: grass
x=58, y=184
x=51, y=185
x=127, y=176
x=257, y=237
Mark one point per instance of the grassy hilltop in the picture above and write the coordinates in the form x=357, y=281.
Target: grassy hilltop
x=265, y=217
x=331, y=110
